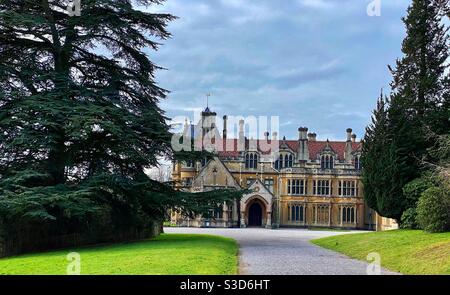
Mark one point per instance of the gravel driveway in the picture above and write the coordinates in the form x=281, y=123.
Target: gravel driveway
x=284, y=252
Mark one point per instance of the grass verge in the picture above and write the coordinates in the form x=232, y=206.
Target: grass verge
x=404, y=251
x=165, y=254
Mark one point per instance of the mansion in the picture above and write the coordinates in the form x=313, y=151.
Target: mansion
x=302, y=182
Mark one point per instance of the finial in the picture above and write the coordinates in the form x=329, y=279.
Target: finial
x=207, y=99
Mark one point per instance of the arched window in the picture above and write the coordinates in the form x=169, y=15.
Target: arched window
x=327, y=162
x=295, y=213
x=348, y=214
x=251, y=160
x=285, y=160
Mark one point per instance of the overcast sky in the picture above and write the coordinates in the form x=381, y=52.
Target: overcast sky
x=314, y=63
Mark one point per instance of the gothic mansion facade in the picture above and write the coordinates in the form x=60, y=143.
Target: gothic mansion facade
x=304, y=182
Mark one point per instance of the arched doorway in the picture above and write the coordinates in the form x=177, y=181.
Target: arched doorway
x=255, y=214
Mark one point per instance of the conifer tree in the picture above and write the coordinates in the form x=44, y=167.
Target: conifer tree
x=80, y=120
x=417, y=109
x=373, y=157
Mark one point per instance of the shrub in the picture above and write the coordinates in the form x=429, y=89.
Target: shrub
x=408, y=220
x=414, y=189
x=433, y=209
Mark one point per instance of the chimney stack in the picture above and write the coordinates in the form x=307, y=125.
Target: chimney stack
x=302, y=133
x=266, y=136
x=241, y=129
x=353, y=137
x=274, y=135
x=303, y=150
x=225, y=119
x=348, y=147
x=349, y=134
x=241, y=141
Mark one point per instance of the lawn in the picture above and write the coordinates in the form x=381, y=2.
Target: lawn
x=166, y=254
x=404, y=251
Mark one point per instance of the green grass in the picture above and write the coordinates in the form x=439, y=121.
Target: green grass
x=404, y=251
x=166, y=254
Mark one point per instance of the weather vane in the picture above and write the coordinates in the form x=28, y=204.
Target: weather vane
x=207, y=99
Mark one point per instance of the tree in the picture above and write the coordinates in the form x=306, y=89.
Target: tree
x=433, y=209
x=80, y=118
x=420, y=82
x=418, y=104
x=373, y=159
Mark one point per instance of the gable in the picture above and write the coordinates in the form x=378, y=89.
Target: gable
x=214, y=173
x=258, y=187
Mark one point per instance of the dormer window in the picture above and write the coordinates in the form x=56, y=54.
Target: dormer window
x=251, y=160
x=278, y=163
x=326, y=162
x=358, y=163
x=284, y=161
x=288, y=160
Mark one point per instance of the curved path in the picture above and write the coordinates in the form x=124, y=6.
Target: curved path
x=285, y=252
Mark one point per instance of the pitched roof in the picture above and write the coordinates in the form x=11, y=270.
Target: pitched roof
x=314, y=147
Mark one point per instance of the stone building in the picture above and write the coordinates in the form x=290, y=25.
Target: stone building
x=302, y=182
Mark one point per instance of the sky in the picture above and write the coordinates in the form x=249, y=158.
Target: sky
x=314, y=63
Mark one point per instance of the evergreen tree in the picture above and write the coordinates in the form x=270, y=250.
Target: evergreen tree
x=416, y=111
x=80, y=120
x=373, y=156
x=420, y=82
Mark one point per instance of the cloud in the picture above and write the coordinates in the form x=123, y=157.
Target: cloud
x=318, y=4
x=315, y=63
